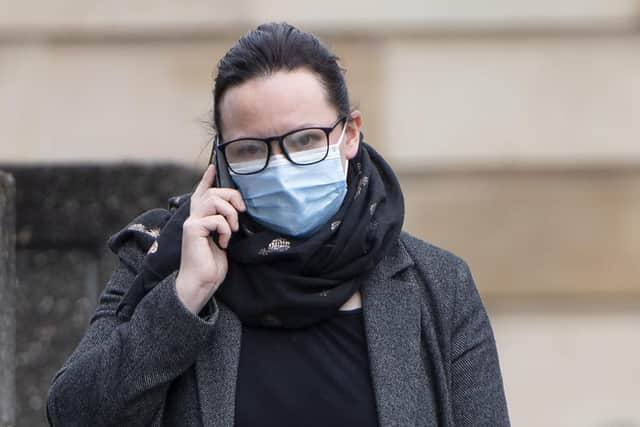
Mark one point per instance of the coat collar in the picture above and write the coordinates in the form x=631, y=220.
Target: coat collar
x=391, y=307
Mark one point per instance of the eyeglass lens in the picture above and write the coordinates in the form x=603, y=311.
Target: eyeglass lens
x=305, y=146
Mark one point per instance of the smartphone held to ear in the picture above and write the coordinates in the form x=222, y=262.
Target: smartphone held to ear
x=223, y=178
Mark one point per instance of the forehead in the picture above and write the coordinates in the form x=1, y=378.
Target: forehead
x=274, y=104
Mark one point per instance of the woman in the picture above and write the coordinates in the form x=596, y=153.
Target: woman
x=282, y=292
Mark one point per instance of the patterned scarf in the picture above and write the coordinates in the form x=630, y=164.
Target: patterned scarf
x=276, y=280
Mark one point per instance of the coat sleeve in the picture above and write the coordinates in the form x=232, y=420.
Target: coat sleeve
x=120, y=372
x=477, y=388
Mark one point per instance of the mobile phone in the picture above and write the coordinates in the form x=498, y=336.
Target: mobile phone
x=223, y=177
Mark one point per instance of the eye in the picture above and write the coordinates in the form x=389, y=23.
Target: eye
x=246, y=150
x=306, y=140
x=249, y=149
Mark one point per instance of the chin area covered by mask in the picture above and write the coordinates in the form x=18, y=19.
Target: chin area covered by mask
x=292, y=199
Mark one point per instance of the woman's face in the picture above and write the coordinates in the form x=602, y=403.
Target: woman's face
x=281, y=102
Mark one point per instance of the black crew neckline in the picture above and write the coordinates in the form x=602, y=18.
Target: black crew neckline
x=353, y=311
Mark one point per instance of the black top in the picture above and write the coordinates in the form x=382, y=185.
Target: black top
x=317, y=376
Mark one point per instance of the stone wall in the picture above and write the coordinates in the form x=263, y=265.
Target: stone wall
x=7, y=300
x=573, y=231
x=497, y=82
x=64, y=216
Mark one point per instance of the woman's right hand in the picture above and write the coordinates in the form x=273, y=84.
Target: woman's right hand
x=203, y=263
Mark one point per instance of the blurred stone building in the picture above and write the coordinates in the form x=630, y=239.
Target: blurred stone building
x=513, y=126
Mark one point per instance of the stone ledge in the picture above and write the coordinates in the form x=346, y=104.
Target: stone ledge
x=78, y=34
x=332, y=15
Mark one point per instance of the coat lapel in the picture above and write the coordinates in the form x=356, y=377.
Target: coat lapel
x=216, y=371
x=391, y=308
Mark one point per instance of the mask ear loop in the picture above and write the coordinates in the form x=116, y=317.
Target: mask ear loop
x=340, y=141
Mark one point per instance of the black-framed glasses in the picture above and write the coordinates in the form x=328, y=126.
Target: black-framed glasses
x=305, y=146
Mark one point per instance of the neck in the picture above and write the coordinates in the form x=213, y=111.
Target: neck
x=352, y=303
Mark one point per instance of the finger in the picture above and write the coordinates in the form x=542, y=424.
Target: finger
x=216, y=205
x=218, y=224
x=203, y=227
x=206, y=181
x=223, y=240
x=231, y=195
x=212, y=202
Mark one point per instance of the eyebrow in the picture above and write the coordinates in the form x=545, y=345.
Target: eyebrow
x=302, y=126
x=308, y=125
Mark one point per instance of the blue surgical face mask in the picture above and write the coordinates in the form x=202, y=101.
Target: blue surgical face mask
x=292, y=199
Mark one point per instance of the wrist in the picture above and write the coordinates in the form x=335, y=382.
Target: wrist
x=192, y=295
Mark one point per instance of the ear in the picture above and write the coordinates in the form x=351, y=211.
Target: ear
x=352, y=134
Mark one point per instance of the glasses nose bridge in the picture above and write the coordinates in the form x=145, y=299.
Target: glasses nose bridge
x=275, y=144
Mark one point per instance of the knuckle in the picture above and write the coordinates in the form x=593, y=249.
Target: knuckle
x=213, y=192
x=209, y=205
x=189, y=225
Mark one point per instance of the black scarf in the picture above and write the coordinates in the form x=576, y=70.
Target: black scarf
x=280, y=281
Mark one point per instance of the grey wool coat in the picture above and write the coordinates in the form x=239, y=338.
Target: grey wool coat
x=431, y=348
